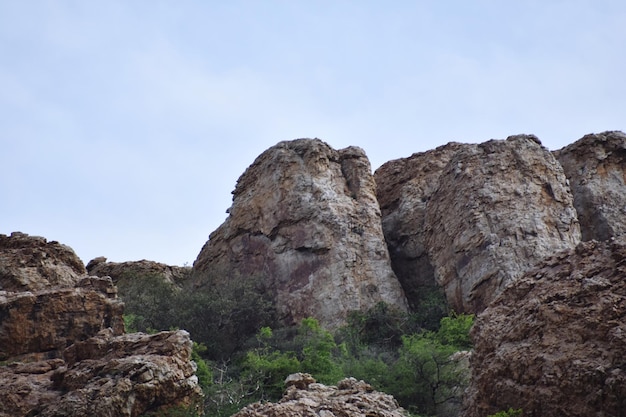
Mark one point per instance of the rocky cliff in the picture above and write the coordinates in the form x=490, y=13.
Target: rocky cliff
x=475, y=217
x=596, y=168
x=306, y=398
x=553, y=342
x=176, y=275
x=62, y=347
x=306, y=224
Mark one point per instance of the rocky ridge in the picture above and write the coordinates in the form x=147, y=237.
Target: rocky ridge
x=62, y=345
x=307, y=398
x=176, y=275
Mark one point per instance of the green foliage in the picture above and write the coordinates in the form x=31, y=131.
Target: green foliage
x=509, y=413
x=203, y=372
x=454, y=330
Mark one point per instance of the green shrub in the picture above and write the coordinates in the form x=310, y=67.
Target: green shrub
x=509, y=413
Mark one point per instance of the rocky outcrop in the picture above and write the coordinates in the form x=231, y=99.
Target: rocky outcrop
x=596, y=169
x=30, y=263
x=477, y=216
x=137, y=269
x=62, y=347
x=553, y=342
x=305, y=223
x=404, y=187
x=306, y=398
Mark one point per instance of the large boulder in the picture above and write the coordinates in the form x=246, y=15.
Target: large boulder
x=62, y=347
x=306, y=398
x=596, y=169
x=306, y=226
x=553, y=342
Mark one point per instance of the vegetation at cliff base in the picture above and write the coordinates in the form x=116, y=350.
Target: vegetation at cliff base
x=402, y=354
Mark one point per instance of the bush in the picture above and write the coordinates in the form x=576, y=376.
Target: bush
x=509, y=413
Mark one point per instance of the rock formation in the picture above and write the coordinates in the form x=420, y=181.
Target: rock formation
x=30, y=263
x=306, y=398
x=62, y=347
x=305, y=223
x=483, y=213
x=553, y=342
x=596, y=167
x=404, y=187
x=136, y=269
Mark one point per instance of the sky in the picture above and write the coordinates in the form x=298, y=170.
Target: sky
x=124, y=125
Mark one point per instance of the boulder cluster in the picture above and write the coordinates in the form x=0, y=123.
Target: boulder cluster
x=63, y=350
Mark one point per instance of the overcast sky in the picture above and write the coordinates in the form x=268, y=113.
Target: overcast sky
x=124, y=125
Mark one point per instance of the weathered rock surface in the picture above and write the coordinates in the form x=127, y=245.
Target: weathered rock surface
x=43, y=323
x=136, y=269
x=553, y=342
x=596, y=169
x=30, y=263
x=62, y=346
x=404, y=187
x=305, y=222
x=306, y=398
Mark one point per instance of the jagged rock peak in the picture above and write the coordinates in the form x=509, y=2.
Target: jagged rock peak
x=553, y=342
x=472, y=217
x=596, y=169
x=306, y=397
x=305, y=222
x=32, y=263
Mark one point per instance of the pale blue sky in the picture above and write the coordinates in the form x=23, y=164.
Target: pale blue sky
x=124, y=125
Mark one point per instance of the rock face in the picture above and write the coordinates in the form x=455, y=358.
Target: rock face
x=404, y=187
x=62, y=347
x=120, y=270
x=30, y=263
x=483, y=214
x=596, y=167
x=306, y=398
x=553, y=342
x=306, y=223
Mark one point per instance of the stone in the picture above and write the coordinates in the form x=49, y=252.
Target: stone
x=176, y=275
x=306, y=226
x=596, y=169
x=349, y=398
x=30, y=263
x=553, y=342
x=62, y=347
x=403, y=188
x=500, y=207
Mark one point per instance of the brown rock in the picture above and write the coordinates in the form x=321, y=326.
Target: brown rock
x=349, y=398
x=596, y=169
x=306, y=224
x=404, y=187
x=553, y=342
x=43, y=323
x=62, y=346
x=30, y=263
x=137, y=269
x=500, y=207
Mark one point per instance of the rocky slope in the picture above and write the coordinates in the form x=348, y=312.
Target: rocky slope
x=475, y=217
x=305, y=223
x=596, y=167
x=62, y=347
x=306, y=398
x=553, y=342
